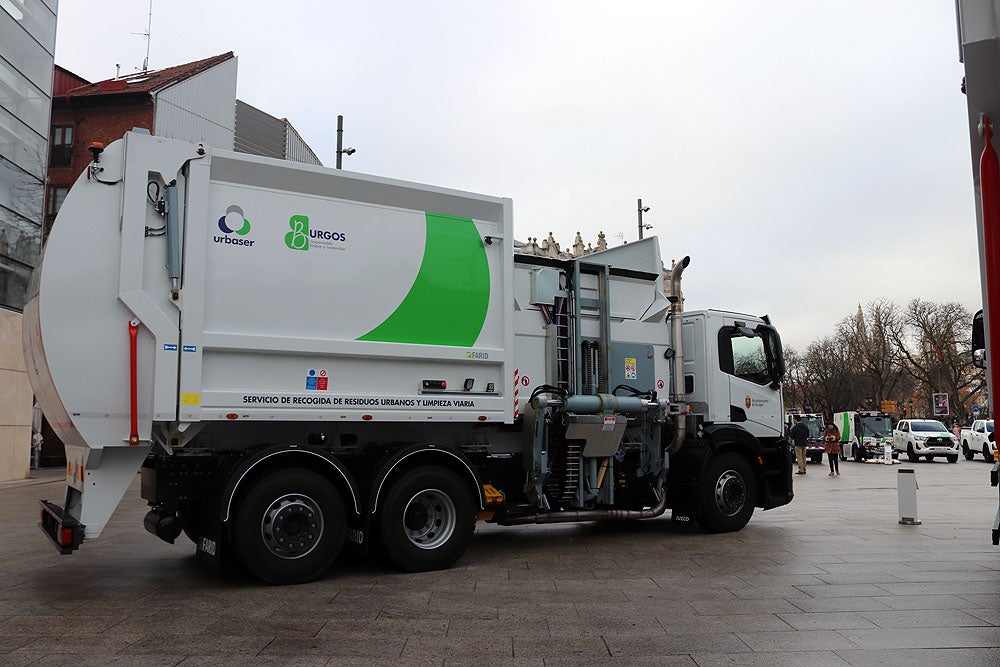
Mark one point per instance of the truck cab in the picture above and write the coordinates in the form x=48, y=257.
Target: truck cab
x=864, y=434
x=815, y=423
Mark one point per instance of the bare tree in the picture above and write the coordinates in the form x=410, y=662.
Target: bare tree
x=869, y=336
x=936, y=347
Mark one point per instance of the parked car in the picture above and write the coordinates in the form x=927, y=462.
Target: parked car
x=977, y=440
x=924, y=437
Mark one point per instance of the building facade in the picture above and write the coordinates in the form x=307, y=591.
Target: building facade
x=27, y=45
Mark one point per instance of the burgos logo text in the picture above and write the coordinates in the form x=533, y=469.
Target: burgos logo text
x=231, y=223
x=299, y=237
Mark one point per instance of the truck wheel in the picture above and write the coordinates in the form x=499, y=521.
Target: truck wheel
x=290, y=526
x=987, y=454
x=859, y=454
x=967, y=453
x=910, y=454
x=928, y=457
x=728, y=494
x=427, y=519
x=816, y=458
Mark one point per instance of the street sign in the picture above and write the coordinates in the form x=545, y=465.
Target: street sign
x=975, y=409
x=888, y=406
x=941, y=405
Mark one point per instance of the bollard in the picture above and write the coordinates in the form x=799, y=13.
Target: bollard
x=906, y=492
x=887, y=453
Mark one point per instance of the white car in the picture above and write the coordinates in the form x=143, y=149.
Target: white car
x=924, y=437
x=978, y=439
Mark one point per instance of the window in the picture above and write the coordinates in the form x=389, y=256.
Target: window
x=54, y=199
x=61, y=146
x=743, y=357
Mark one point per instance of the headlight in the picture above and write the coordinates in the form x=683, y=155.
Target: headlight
x=919, y=436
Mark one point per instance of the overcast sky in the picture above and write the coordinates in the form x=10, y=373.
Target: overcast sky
x=808, y=156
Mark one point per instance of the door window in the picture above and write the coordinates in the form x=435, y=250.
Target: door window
x=743, y=357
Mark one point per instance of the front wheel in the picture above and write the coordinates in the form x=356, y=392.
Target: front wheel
x=290, y=526
x=910, y=454
x=928, y=457
x=859, y=454
x=967, y=453
x=427, y=520
x=953, y=459
x=987, y=454
x=728, y=494
x=816, y=458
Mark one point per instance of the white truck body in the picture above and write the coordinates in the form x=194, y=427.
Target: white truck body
x=864, y=434
x=309, y=342
x=977, y=440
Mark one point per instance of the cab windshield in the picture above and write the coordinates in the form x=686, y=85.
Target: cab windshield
x=928, y=427
x=877, y=426
x=815, y=425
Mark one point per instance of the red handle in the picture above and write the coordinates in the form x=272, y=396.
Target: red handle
x=133, y=334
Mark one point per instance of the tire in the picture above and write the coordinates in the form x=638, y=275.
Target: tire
x=290, y=526
x=928, y=457
x=910, y=454
x=427, y=519
x=816, y=458
x=967, y=453
x=859, y=454
x=953, y=459
x=987, y=454
x=727, y=493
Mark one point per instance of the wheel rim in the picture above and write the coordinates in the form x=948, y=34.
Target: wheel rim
x=730, y=492
x=429, y=519
x=292, y=526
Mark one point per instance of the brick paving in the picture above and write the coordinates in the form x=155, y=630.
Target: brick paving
x=831, y=579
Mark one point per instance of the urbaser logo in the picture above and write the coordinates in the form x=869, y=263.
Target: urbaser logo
x=233, y=222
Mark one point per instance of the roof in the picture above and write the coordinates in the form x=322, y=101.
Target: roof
x=148, y=82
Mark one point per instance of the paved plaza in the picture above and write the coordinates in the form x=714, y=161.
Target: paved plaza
x=831, y=579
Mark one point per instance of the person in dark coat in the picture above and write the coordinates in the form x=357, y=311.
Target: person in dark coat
x=800, y=438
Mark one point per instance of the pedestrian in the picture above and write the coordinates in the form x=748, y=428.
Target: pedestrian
x=800, y=438
x=831, y=438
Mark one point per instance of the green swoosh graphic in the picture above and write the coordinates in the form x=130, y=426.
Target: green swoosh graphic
x=447, y=303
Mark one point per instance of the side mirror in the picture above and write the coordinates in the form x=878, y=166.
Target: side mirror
x=979, y=358
x=978, y=334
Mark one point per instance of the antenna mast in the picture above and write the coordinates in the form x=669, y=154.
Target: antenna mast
x=149, y=27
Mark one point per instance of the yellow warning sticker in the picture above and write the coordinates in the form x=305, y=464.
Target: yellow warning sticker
x=630, y=368
x=190, y=399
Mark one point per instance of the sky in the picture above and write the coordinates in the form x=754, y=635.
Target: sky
x=807, y=156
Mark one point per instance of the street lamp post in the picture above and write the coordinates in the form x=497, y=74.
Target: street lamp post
x=642, y=209
x=340, y=142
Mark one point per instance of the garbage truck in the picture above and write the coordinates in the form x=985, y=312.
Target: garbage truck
x=299, y=360
x=864, y=434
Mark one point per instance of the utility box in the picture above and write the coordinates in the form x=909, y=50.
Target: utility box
x=906, y=491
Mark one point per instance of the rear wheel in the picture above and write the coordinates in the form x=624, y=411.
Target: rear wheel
x=953, y=459
x=987, y=454
x=427, y=519
x=290, y=526
x=728, y=494
x=910, y=454
x=967, y=453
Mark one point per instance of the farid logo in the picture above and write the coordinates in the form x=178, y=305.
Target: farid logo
x=299, y=237
x=233, y=222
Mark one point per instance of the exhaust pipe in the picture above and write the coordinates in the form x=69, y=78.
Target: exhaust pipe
x=677, y=341
x=590, y=515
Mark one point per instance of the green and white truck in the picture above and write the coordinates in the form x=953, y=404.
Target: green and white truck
x=864, y=434
x=301, y=358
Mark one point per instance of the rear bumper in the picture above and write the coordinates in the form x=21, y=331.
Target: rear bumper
x=65, y=532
